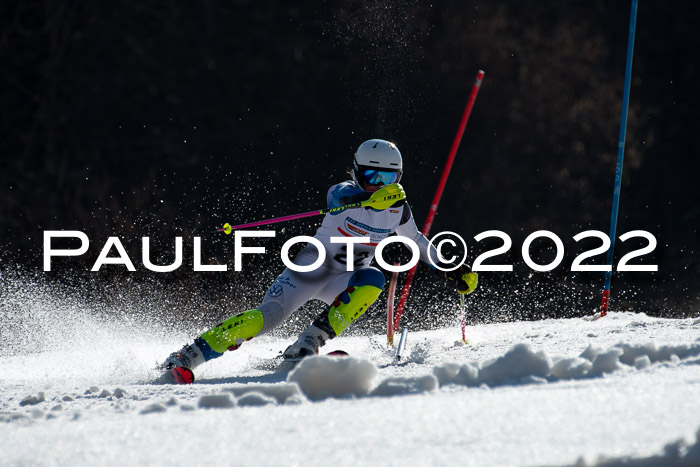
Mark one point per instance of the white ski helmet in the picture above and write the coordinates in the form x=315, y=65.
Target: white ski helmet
x=377, y=161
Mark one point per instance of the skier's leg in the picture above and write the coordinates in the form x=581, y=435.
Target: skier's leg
x=362, y=290
x=227, y=335
x=286, y=294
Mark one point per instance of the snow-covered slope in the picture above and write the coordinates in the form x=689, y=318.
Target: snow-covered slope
x=525, y=393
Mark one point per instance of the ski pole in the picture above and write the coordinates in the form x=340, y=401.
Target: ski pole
x=228, y=228
x=380, y=202
x=620, y=158
x=438, y=193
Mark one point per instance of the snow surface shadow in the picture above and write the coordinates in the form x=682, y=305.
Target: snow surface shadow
x=398, y=364
x=278, y=377
x=680, y=453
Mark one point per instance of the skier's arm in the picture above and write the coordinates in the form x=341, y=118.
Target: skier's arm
x=383, y=198
x=464, y=280
x=345, y=193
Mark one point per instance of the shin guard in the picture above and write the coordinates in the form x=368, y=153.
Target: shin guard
x=363, y=290
x=230, y=334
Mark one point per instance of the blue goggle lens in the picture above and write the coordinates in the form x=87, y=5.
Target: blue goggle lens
x=375, y=177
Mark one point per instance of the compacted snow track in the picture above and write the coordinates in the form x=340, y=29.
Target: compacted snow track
x=550, y=392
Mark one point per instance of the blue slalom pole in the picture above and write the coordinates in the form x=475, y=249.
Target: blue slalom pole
x=620, y=157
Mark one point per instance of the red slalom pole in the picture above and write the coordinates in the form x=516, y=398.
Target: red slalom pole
x=438, y=193
x=390, y=308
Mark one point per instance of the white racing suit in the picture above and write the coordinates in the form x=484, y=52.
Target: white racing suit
x=292, y=289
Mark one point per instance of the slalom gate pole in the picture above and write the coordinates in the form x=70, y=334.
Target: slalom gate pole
x=402, y=344
x=438, y=193
x=463, y=311
x=620, y=157
x=390, y=308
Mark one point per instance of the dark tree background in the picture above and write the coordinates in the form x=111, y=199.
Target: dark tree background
x=167, y=119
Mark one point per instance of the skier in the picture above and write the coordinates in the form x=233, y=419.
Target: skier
x=377, y=169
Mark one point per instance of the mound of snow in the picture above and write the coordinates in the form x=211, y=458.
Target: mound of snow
x=279, y=393
x=33, y=400
x=153, y=408
x=320, y=377
x=570, y=368
x=518, y=364
x=217, y=401
x=405, y=385
x=656, y=353
x=255, y=399
x=522, y=365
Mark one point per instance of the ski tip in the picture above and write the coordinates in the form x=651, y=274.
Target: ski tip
x=338, y=353
x=179, y=375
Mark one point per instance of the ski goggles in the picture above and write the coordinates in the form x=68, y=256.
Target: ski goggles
x=376, y=177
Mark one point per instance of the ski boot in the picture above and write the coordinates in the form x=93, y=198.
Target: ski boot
x=178, y=366
x=227, y=335
x=190, y=356
x=307, y=344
